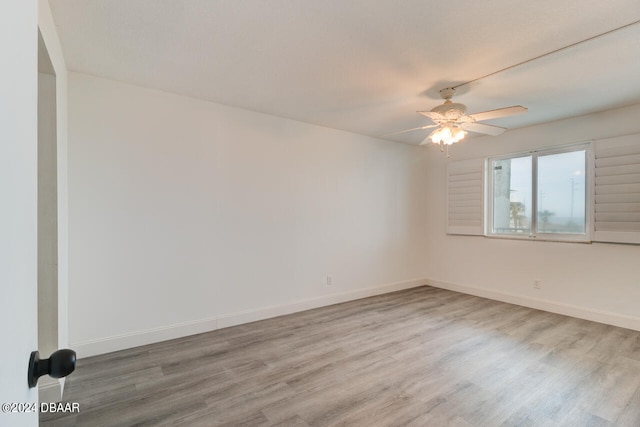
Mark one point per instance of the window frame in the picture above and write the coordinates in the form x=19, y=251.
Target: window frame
x=589, y=168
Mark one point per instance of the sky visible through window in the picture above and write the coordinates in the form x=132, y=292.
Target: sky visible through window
x=560, y=194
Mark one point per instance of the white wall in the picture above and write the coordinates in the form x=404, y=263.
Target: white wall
x=47, y=217
x=596, y=281
x=47, y=223
x=188, y=216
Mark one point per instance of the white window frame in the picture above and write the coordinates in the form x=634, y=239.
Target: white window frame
x=533, y=235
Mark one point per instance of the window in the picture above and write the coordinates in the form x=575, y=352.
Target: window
x=542, y=194
x=586, y=192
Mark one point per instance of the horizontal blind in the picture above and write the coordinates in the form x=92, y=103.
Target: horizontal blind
x=617, y=190
x=465, y=201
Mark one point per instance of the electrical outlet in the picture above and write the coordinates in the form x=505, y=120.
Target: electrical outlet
x=329, y=280
x=537, y=284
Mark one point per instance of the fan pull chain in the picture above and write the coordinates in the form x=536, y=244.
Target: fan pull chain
x=442, y=148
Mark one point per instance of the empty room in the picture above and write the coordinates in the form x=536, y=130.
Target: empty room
x=320, y=213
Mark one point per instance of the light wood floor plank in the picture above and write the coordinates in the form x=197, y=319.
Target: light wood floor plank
x=421, y=357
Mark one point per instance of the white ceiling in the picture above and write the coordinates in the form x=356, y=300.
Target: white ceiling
x=364, y=66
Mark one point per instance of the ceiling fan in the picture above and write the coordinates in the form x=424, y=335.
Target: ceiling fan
x=452, y=122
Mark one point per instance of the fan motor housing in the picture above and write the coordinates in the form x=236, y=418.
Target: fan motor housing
x=451, y=110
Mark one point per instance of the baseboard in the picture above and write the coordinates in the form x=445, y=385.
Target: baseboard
x=600, y=316
x=50, y=392
x=135, y=339
x=311, y=303
x=124, y=341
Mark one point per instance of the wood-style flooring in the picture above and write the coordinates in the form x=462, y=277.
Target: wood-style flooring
x=420, y=357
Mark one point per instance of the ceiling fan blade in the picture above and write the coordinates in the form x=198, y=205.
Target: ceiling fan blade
x=408, y=130
x=482, y=128
x=500, y=112
x=432, y=115
x=426, y=141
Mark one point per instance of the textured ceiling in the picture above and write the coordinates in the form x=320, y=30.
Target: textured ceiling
x=364, y=66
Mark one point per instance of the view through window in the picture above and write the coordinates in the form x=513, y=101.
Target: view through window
x=543, y=193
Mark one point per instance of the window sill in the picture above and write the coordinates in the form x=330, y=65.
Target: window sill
x=542, y=238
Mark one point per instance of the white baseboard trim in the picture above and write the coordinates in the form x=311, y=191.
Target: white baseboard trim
x=600, y=316
x=135, y=339
x=50, y=392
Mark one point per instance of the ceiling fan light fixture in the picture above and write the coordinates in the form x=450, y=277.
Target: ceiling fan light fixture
x=447, y=135
x=458, y=133
x=453, y=122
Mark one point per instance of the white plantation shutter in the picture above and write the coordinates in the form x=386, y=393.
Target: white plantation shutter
x=617, y=190
x=465, y=197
